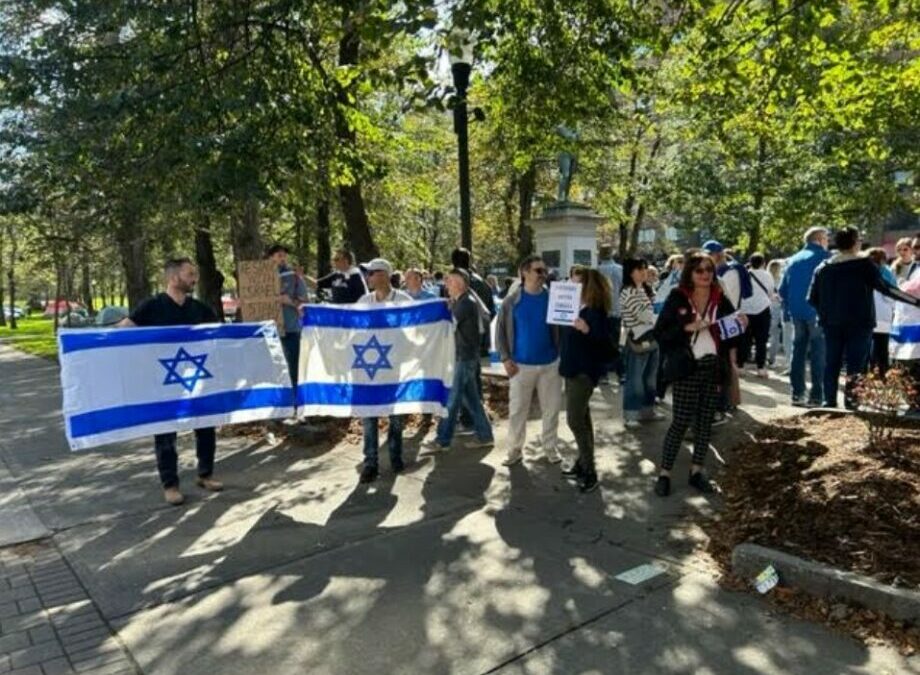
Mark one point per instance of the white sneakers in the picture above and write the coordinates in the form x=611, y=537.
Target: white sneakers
x=513, y=457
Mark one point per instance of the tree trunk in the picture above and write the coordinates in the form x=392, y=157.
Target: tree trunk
x=11, y=276
x=433, y=237
x=527, y=186
x=58, y=273
x=86, y=284
x=323, y=240
x=2, y=313
x=640, y=208
x=210, y=280
x=357, y=226
x=132, y=245
x=247, y=240
x=755, y=230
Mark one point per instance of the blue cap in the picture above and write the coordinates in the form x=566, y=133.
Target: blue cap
x=712, y=246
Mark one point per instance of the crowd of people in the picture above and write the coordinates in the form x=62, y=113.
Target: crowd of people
x=691, y=327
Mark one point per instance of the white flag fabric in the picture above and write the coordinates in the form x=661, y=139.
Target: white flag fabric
x=124, y=383
x=374, y=360
x=905, y=327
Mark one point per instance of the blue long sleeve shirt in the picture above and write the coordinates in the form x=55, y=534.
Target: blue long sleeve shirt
x=793, y=289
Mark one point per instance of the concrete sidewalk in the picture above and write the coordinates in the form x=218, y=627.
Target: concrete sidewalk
x=458, y=566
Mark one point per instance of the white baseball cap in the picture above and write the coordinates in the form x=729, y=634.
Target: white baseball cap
x=378, y=265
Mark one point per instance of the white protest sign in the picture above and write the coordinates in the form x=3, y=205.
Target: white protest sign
x=564, y=303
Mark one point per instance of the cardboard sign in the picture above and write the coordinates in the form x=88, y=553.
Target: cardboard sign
x=259, y=288
x=564, y=303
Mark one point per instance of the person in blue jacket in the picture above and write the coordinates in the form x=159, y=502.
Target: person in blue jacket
x=807, y=336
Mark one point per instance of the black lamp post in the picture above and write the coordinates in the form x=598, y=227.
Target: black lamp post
x=461, y=61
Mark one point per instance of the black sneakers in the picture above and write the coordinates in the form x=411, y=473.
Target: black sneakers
x=700, y=482
x=573, y=470
x=663, y=486
x=368, y=474
x=588, y=483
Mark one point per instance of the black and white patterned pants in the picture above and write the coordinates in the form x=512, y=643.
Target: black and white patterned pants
x=694, y=403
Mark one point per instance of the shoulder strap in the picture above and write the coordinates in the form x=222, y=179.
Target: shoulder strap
x=758, y=282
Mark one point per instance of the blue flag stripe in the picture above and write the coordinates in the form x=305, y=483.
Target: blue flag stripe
x=411, y=391
x=91, y=339
x=121, y=417
x=401, y=316
x=906, y=334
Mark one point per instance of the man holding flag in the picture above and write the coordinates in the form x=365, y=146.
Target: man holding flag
x=378, y=278
x=177, y=307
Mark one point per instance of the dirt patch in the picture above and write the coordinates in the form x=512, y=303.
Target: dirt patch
x=810, y=486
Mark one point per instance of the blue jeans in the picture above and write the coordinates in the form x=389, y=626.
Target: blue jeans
x=371, y=439
x=464, y=392
x=854, y=343
x=808, y=338
x=641, y=380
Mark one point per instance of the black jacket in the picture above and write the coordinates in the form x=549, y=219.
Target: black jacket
x=678, y=312
x=583, y=353
x=841, y=291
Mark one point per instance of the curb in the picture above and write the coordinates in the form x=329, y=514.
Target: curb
x=821, y=580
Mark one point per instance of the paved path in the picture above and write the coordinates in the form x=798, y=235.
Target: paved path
x=458, y=566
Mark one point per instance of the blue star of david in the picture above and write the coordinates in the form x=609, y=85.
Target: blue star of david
x=176, y=376
x=382, y=362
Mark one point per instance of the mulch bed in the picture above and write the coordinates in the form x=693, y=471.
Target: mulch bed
x=812, y=487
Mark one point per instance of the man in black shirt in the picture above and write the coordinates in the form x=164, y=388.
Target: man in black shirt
x=177, y=307
x=467, y=312
x=346, y=283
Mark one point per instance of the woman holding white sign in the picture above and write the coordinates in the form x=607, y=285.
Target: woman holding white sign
x=585, y=348
x=696, y=331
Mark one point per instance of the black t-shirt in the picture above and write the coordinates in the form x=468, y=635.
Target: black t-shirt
x=162, y=310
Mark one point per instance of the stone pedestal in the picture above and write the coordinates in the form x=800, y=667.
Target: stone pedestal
x=565, y=235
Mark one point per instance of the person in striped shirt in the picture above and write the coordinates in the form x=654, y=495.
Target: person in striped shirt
x=641, y=352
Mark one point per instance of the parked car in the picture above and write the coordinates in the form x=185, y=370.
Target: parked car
x=15, y=311
x=110, y=315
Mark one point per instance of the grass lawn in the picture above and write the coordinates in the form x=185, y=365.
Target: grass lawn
x=34, y=335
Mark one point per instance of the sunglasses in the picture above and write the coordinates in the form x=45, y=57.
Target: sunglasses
x=703, y=270
x=538, y=270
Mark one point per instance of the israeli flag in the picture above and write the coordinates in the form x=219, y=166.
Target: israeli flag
x=905, y=332
x=374, y=360
x=729, y=327
x=124, y=383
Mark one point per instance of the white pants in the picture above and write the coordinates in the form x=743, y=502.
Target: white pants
x=548, y=384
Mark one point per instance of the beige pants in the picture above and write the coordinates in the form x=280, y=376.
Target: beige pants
x=548, y=384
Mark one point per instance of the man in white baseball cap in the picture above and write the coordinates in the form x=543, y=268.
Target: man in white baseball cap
x=378, y=278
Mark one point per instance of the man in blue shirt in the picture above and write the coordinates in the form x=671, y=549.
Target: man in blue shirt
x=414, y=288
x=529, y=349
x=293, y=295
x=808, y=336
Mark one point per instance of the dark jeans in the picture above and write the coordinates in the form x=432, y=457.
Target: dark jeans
x=463, y=393
x=808, y=339
x=290, y=342
x=853, y=344
x=466, y=416
x=879, y=359
x=756, y=335
x=578, y=392
x=168, y=460
x=372, y=439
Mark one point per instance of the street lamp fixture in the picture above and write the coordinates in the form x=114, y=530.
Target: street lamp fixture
x=460, y=49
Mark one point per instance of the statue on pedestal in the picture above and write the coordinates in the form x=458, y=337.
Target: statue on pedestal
x=568, y=164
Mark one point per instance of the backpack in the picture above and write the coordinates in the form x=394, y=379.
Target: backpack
x=744, y=276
